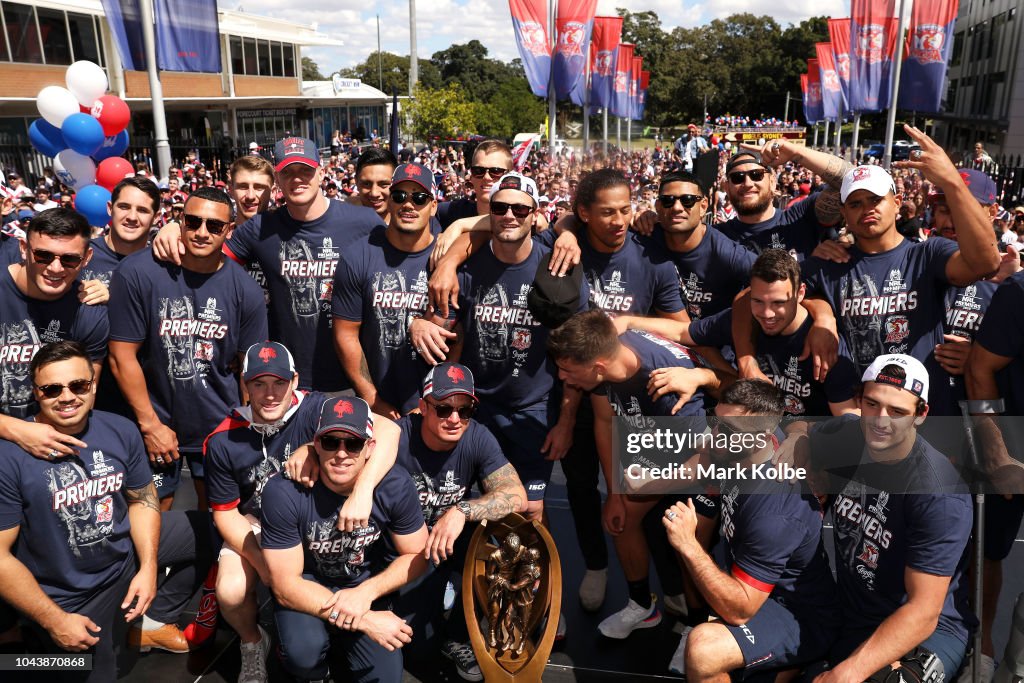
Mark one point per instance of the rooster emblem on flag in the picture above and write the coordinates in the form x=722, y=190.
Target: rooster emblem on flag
x=570, y=39
x=534, y=38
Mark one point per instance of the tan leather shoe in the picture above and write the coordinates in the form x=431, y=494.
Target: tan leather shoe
x=168, y=637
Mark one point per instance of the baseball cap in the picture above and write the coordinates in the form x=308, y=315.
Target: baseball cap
x=553, y=300
x=516, y=181
x=449, y=379
x=414, y=173
x=915, y=381
x=268, y=358
x=346, y=413
x=253, y=145
x=1018, y=209
x=296, y=151
x=981, y=186
x=744, y=158
x=544, y=199
x=874, y=179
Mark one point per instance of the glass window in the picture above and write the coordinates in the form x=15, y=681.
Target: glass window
x=275, y=60
x=289, y=60
x=237, y=60
x=263, y=55
x=83, y=37
x=54, y=31
x=250, y=56
x=22, y=33
x=4, y=55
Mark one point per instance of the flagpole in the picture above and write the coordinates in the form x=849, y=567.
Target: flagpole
x=894, y=90
x=815, y=135
x=586, y=106
x=552, y=132
x=605, y=132
x=618, y=132
x=160, y=144
x=839, y=131
x=856, y=135
x=824, y=138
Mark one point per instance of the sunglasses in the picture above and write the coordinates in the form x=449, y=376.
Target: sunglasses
x=78, y=387
x=418, y=198
x=213, y=226
x=737, y=177
x=444, y=411
x=352, y=444
x=493, y=171
x=518, y=210
x=688, y=201
x=723, y=427
x=45, y=258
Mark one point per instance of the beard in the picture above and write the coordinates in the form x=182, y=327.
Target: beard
x=754, y=206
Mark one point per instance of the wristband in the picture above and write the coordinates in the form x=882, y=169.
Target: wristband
x=986, y=406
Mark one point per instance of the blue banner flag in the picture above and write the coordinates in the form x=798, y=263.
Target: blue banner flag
x=606, y=38
x=931, y=44
x=575, y=22
x=125, y=20
x=873, y=28
x=187, y=35
x=529, y=19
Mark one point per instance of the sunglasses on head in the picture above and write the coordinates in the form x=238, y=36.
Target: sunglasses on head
x=518, y=210
x=213, y=226
x=418, y=198
x=737, y=177
x=444, y=411
x=78, y=387
x=687, y=200
x=493, y=171
x=352, y=444
x=45, y=258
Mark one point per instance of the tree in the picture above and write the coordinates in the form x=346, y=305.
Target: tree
x=394, y=72
x=442, y=113
x=470, y=67
x=513, y=109
x=310, y=70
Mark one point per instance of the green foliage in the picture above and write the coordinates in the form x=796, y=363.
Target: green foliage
x=310, y=70
x=444, y=113
x=393, y=72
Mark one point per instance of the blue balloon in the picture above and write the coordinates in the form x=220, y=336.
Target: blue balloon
x=46, y=138
x=82, y=133
x=113, y=146
x=91, y=202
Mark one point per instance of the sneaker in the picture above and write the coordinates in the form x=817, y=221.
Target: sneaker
x=630, y=618
x=168, y=637
x=561, y=629
x=254, y=659
x=675, y=605
x=678, y=663
x=988, y=669
x=592, y=589
x=465, y=661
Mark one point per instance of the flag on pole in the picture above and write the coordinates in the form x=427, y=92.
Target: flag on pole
x=124, y=17
x=839, y=36
x=623, y=72
x=187, y=35
x=645, y=81
x=923, y=76
x=530, y=21
x=634, y=99
x=607, y=34
x=831, y=90
x=575, y=22
x=521, y=152
x=873, y=28
x=813, y=104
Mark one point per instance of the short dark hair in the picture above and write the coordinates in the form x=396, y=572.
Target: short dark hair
x=212, y=194
x=376, y=156
x=592, y=183
x=897, y=371
x=56, y=352
x=60, y=222
x=757, y=398
x=584, y=338
x=140, y=183
x=774, y=265
x=682, y=177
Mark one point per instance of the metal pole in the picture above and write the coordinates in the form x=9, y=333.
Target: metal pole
x=414, y=67
x=380, y=68
x=839, y=132
x=618, y=132
x=552, y=112
x=824, y=138
x=856, y=136
x=586, y=108
x=162, y=147
x=629, y=133
x=815, y=135
x=785, y=116
x=605, y=143
x=894, y=90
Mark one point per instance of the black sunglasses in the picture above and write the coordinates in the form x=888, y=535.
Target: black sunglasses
x=78, y=387
x=444, y=411
x=493, y=171
x=518, y=210
x=418, y=198
x=213, y=226
x=45, y=258
x=737, y=177
x=353, y=444
x=688, y=201
x=715, y=422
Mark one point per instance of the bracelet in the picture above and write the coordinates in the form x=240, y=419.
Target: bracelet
x=986, y=406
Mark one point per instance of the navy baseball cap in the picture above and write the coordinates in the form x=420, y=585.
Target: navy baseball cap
x=982, y=187
x=414, y=173
x=449, y=379
x=346, y=413
x=296, y=151
x=268, y=358
x=744, y=158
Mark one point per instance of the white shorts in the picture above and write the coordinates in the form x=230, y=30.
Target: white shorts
x=255, y=524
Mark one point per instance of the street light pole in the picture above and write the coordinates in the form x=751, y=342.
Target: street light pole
x=380, y=67
x=414, y=67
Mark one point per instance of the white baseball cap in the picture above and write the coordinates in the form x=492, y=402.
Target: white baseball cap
x=916, y=376
x=874, y=179
x=515, y=181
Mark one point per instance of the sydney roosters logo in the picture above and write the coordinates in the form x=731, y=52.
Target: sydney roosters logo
x=412, y=170
x=343, y=408
x=267, y=354
x=456, y=375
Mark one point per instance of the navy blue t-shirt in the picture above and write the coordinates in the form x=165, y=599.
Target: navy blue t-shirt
x=795, y=230
x=1002, y=333
x=103, y=262
x=298, y=260
x=892, y=302
x=384, y=288
x=26, y=324
x=449, y=212
x=75, y=537
x=10, y=251
x=192, y=327
x=443, y=478
x=240, y=459
x=504, y=346
x=295, y=515
x=778, y=356
x=712, y=273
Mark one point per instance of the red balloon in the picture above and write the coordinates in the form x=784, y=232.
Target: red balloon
x=112, y=171
x=112, y=113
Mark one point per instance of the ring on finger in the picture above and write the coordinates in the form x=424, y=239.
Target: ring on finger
x=671, y=514
x=916, y=154
x=334, y=615
x=53, y=454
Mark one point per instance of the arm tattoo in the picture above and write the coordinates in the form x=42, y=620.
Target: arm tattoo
x=145, y=496
x=834, y=171
x=499, y=499
x=826, y=207
x=364, y=369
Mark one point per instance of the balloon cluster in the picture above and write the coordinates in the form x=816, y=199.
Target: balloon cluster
x=84, y=130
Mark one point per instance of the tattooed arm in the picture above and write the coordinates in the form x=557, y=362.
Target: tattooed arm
x=830, y=167
x=353, y=361
x=144, y=518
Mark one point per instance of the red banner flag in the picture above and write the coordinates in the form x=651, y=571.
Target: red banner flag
x=931, y=45
x=831, y=91
x=575, y=22
x=530, y=21
x=839, y=36
x=607, y=34
x=634, y=88
x=873, y=29
x=623, y=72
x=813, y=111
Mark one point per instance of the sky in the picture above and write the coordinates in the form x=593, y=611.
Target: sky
x=442, y=23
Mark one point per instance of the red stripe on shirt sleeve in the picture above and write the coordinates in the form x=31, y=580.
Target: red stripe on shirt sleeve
x=222, y=507
x=750, y=580
x=231, y=255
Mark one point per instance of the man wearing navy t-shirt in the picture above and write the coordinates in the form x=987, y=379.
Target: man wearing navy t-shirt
x=176, y=335
x=374, y=169
x=379, y=287
x=324, y=578
x=776, y=600
x=133, y=207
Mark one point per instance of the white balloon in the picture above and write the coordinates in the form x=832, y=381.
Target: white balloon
x=87, y=81
x=74, y=169
x=56, y=104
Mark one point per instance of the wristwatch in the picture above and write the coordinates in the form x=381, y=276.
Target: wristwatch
x=463, y=507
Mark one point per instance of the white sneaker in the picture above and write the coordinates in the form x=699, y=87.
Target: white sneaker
x=676, y=605
x=592, y=589
x=630, y=618
x=988, y=669
x=254, y=659
x=678, y=663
